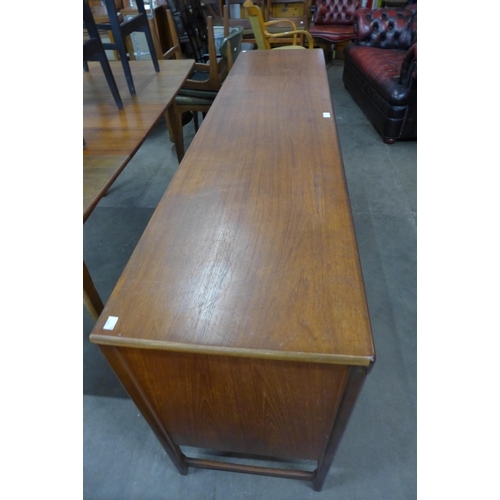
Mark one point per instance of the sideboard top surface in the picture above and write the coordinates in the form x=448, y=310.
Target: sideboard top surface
x=252, y=250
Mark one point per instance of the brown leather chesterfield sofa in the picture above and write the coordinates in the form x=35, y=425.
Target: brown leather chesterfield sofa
x=380, y=70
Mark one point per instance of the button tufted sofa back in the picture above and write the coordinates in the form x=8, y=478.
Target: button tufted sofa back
x=335, y=11
x=385, y=28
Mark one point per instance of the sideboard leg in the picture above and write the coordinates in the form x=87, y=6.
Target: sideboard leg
x=354, y=383
x=91, y=298
x=127, y=376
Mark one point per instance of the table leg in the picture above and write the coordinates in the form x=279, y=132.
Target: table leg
x=91, y=298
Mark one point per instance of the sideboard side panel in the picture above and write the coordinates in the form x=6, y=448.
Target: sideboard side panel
x=282, y=409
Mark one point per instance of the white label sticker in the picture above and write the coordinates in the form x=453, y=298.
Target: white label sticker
x=110, y=323
x=326, y=115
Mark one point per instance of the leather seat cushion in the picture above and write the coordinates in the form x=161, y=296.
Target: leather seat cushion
x=333, y=33
x=381, y=68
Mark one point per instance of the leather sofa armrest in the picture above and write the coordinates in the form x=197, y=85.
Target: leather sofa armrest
x=383, y=28
x=414, y=28
x=409, y=67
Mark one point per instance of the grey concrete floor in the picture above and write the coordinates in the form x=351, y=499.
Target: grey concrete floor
x=377, y=457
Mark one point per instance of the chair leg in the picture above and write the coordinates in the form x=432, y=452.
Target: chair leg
x=125, y=64
x=174, y=119
x=169, y=128
x=151, y=46
x=120, y=44
x=147, y=31
x=110, y=79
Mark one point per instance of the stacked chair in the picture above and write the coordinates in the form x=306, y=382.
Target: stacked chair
x=183, y=33
x=122, y=29
x=202, y=86
x=93, y=49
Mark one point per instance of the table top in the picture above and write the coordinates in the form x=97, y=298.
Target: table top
x=113, y=136
x=252, y=250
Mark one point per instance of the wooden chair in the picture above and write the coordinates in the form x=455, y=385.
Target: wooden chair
x=170, y=44
x=120, y=30
x=208, y=75
x=185, y=38
x=264, y=37
x=191, y=28
x=201, y=88
x=93, y=48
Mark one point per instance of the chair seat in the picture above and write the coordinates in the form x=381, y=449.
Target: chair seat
x=199, y=76
x=333, y=33
x=181, y=100
x=201, y=94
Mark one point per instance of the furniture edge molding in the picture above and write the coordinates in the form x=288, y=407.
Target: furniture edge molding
x=337, y=359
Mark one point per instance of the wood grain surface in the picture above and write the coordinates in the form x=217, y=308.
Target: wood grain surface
x=252, y=250
x=112, y=136
x=262, y=407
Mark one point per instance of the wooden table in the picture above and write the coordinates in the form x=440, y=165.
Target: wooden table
x=242, y=323
x=113, y=136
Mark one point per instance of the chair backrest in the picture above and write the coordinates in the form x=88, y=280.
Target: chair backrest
x=167, y=33
x=231, y=46
x=194, y=33
x=257, y=22
x=209, y=75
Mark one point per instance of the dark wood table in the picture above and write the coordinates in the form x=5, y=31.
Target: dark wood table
x=112, y=136
x=240, y=323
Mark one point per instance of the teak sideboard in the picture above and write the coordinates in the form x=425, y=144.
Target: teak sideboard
x=240, y=323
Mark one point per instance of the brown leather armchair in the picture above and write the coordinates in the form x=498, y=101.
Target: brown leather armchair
x=380, y=70
x=333, y=20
